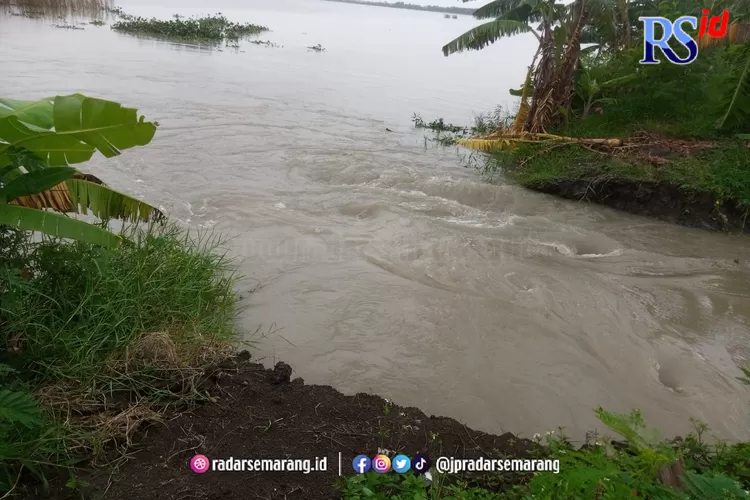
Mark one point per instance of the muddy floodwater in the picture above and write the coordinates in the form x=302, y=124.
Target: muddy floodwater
x=383, y=265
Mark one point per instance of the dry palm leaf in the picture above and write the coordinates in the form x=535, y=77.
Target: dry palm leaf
x=500, y=141
x=86, y=192
x=523, y=110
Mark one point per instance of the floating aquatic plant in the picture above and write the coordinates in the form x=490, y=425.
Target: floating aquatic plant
x=215, y=28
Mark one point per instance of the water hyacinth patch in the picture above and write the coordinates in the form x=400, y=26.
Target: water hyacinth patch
x=216, y=28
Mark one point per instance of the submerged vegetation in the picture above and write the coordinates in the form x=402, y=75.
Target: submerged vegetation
x=447, y=134
x=216, y=28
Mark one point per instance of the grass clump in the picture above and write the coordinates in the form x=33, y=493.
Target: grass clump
x=104, y=339
x=643, y=466
x=216, y=28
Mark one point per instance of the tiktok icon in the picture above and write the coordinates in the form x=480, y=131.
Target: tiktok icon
x=420, y=464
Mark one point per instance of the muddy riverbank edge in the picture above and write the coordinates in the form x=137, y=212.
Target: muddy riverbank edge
x=252, y=412
x=660, y=200
x=265, y=413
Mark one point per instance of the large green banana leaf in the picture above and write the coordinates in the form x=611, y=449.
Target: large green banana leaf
x=56, y=225
x=44, y=137
x=38, y=113
x=82, y=193
x=80, y=125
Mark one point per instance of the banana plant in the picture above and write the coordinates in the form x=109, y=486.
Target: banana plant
x=588, y=88
x=39, y=140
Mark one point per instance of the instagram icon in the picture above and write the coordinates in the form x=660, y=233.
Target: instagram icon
x=381, y=464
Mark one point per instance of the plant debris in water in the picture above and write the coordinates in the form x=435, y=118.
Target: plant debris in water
x=317, y=48
x=447, y=134
x=267, y=43
x=215, y=28
x=67, y=26
x=28, y=14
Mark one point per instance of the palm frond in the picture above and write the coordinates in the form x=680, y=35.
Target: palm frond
x=523, y=12
x=499, y=8
x=506, y=140
x=106, y=203
x=602, y=6
x=486, y=34
x=86, y=192
x=487, y=145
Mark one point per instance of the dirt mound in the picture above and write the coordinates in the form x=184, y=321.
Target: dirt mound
x=260, y=413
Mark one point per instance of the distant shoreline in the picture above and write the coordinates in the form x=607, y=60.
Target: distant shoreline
x=408, y=6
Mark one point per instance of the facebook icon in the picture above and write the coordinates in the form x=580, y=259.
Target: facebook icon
x=361, y=464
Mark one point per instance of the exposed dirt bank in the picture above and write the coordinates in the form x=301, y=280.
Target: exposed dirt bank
x=662, y=200
x=261, y=413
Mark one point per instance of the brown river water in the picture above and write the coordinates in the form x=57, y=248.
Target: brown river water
x=384, y=266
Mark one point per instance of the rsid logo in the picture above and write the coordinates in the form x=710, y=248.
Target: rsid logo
x=716, y=27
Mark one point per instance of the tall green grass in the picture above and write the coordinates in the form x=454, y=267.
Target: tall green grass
x=72, y=305
x=89, y=330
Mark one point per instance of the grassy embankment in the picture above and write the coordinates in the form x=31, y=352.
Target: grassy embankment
x=679, y=105
x=679, y=153
x=104, y=340
x=106, y=332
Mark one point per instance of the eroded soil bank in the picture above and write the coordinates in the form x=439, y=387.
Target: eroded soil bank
x=662, y=200
x=261, y=413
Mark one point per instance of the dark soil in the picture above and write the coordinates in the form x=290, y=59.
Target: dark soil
x=261, y=413
x=661, y=200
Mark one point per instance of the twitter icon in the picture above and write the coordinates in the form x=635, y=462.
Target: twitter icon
x=401, y=463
